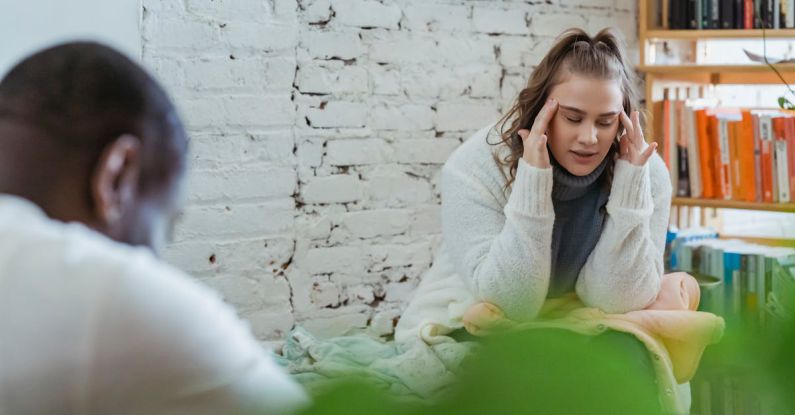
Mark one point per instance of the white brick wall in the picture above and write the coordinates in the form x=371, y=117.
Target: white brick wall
x=318, y=130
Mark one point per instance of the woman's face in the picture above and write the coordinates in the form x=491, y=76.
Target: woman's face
x=586, y=122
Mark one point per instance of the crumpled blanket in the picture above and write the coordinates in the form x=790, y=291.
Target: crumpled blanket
x=413, y=369
x=425, y=366
x=671, y=329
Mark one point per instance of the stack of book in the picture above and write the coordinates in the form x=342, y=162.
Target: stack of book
x=727, y=14
x=746, y=284
x=737, y=154
x=740, y=281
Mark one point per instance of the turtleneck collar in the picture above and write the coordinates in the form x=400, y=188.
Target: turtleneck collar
x=567, y=186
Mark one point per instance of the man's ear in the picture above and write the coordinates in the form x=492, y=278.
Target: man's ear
x=114, y=183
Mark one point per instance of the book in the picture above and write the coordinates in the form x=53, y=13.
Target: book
x=727, y=14
x=706, y=168
x=734, y=159
x=790, y=14
x=747, y=182
x=789, y=135
x=738, y=279
x=739, y=14
x=714, y=14
x=748, y=22
x=758, y=14
x=767, y=157
x=693, y=158
x=781, y=157
x=683, y=180
x=724, y=159
x=757, y=159
x=739, y=154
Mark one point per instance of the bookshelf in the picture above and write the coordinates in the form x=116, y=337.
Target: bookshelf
x=659, y=76
x=719, y=34
x=733, y=204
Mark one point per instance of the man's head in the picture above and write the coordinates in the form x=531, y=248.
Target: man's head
x=89, y=136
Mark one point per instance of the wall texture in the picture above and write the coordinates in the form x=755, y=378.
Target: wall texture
x=318, y=130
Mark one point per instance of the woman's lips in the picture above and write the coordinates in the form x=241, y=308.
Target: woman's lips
x=583, y=157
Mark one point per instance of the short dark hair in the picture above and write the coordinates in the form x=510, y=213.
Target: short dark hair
x=83, y=95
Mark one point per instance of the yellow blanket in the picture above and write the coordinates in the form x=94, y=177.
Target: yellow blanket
x=671, y=329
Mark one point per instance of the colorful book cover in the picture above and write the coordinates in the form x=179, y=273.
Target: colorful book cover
x=724, y=159
x=693, y=160
x=790, y=137
x=781, y=156
x=734, y=160
x=757, y=159
x=767, y=157
x=705, y=154
x=746, y=144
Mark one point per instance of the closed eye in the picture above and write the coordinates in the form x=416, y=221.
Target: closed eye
x=573, y=120
x=605, y=123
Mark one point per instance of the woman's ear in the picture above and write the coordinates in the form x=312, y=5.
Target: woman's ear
x=114, y=183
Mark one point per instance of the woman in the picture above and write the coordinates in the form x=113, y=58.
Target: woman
x=562, y=196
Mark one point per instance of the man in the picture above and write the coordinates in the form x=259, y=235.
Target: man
x=92, y=159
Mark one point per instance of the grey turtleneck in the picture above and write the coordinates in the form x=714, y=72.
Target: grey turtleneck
x=579, y=203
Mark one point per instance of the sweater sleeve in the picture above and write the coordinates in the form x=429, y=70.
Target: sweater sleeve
x=505, y=251
x=624, y=271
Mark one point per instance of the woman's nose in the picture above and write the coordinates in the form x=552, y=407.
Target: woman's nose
x=587, y=136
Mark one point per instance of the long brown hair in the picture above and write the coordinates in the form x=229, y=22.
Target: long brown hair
x=574, y=52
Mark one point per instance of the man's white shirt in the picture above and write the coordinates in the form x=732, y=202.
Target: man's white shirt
x=91, y=326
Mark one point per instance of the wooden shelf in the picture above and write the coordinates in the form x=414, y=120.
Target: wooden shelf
x=751, y=68
x=732, y=204
x=721, y=74
x=784, y=242
x=719, y=34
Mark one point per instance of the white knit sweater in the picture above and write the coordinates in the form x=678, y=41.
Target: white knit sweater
x=496, y=244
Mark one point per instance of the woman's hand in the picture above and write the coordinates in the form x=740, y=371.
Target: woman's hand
x=535, y=139
x=632, y=145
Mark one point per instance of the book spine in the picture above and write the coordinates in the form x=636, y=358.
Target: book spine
x=725, y=160
x=683, y=186
x=790, y=138
x=741, y=288
x=665, y=17
x=757, y=14
x=739, y=14
x=729, y=6
x=749, y=14
x=767, y=157
x=693, y=17
x=759, y=280
x=746, y=137
x=705, y=8
x=776, y=14
x=735, y=160
x=673, y=148
x=791, y=14
x=757, y=160
x=704, y=154
x=783, y=171
x=694, y=169
x=715, y=14
x=699, y=6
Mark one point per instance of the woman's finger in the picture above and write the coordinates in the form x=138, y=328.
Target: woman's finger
x=542, y=149
x=646, y=155
x=623, y=148
x=523, y=134
x=630, y=129
x=639, y=139
x=541, y=122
